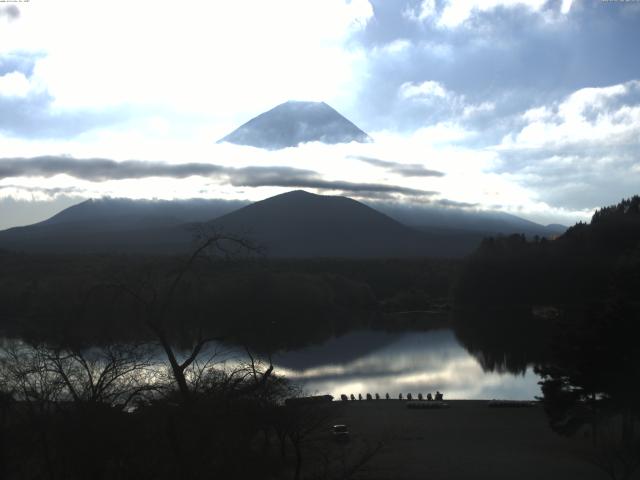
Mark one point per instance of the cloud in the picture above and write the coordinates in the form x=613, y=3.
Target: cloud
x=451, y=14
x=592, y=115
x=206, y=69
x=526, y=104
x=509, y=57
x=423, y=90
x=99, y=170
x=444, y=202
x=433, y=97
x=8, y=190
x=419, y=13
x=455, y=13
x=545, y=91
x=566, y=6
x=350, y=187
x=210, y=63
x=10, y=12
x=16, y=71
x=580, y=152
x=297, y=178
x=403, y=169
x=31, y=117
x=14, y=84
x=27, y=107
x=23, y=62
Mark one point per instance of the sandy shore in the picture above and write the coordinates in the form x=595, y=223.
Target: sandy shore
x=467, y=440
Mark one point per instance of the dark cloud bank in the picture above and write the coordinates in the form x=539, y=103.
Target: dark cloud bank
x=99, y=169
x=405, y=170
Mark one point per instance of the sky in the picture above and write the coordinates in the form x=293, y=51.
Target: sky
x=530, y=107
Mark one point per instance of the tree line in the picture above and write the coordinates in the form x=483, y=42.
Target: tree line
x=72, y=407
x=571, y=305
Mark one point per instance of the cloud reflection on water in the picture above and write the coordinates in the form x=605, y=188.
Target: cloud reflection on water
x=416, y=362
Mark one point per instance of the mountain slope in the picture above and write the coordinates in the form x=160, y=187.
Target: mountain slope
x=116, y=225
x=294, y=224
x=487, y=223
x=292, y=123
x=301, y=224
x=121, y=212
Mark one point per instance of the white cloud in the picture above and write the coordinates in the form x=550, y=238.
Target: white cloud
x=566, y=6
x=394, y=48
x=537, y=114
x=423, y=90
x=192, y=73
x=470, y=175
x=484, y=107
x=580, y=152
x=212, y=58
x=587, y=116
x=14, y=84
x=434, y=93
x=422, y=12
x=456, y=12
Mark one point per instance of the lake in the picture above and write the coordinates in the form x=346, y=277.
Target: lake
x=364, y=362
x=377, y=361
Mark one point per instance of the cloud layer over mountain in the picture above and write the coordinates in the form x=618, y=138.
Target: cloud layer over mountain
x=530, y=106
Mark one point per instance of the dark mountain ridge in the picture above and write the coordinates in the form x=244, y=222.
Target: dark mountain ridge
x=110, y=225
x=481, y=221
x=301, y=224
x=294, y=224
x=118, y=212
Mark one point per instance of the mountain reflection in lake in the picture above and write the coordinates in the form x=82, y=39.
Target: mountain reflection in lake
x=368, y=361
x=408, y=362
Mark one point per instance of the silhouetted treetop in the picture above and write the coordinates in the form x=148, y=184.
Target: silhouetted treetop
x=629, y=207
x=580, y=264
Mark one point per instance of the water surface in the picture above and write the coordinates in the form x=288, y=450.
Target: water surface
x=406, y=362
